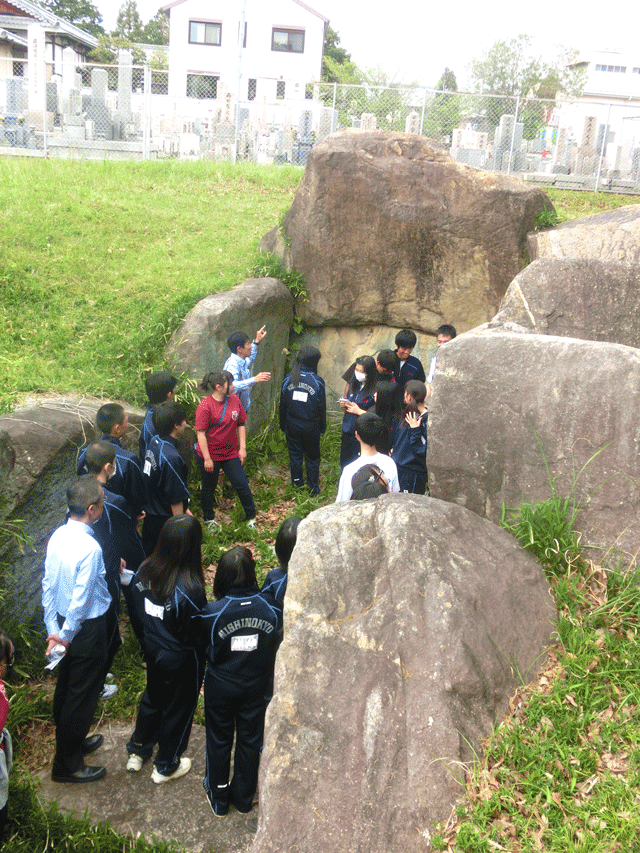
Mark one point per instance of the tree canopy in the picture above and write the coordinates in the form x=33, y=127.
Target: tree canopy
x=156, y=30
x=512, y=68
x=129, y=23
x=81, y=13
x=337, y=66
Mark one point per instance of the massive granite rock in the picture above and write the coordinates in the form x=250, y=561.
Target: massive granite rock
x=41, y=442
x=199, y=345
x=575, y=298
x=510, y=411
x=610, y=236
x=388, y=229
x=408, y=623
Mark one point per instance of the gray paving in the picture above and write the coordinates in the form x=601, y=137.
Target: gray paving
x=134, y=805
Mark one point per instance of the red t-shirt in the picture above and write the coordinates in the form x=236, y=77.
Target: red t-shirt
x=222, y=438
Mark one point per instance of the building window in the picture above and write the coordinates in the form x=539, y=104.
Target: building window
x=617, y=69
x=291, y=41
x=18, y=68
x=202, y=86
x=244, y=43
x=201, y=32
x=251, y=91
x=280, y=89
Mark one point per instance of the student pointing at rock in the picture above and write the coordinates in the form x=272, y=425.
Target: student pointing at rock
x=239, y=363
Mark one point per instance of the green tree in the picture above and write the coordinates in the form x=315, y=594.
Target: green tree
x=443, y=108
x=156, y=31
x=512, y=69
x=82, y=13
x=107, y=51
x=337, y=66
x=129, y=23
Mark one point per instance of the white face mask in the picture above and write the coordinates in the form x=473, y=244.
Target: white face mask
x=359, y=376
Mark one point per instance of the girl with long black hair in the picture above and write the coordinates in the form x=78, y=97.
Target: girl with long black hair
x=359, y=397
x=169, y=591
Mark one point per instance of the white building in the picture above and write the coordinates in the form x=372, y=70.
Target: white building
x=281, y=48
x=606, y=117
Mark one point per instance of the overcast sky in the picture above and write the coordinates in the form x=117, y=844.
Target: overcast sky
x=417, y=40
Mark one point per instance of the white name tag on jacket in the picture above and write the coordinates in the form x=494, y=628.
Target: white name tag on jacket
x=152, y=609
x=247, y=643
x=301, y=396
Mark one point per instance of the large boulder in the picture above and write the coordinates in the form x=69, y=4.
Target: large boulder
x=610, y=236
x=575, y=298
x=199, y=345
x=42, y=442
x=408, y=623
x=512, y=413
x=387, y=229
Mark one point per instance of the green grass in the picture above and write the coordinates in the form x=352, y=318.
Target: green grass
x=100, y=262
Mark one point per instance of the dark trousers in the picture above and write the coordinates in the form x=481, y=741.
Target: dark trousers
x=349, y=449
x=114, y=641
x=80, y=678
x=167, y=707
x=223, y=714
x=303, y=444
x=151, y=527
x=235, y=474
x=412, y=481
x=3, y=821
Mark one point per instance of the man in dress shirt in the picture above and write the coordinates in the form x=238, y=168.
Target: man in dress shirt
x=238, y=364
x=75, y=600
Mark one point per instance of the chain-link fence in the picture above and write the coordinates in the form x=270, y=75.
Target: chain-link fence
x=121, y=111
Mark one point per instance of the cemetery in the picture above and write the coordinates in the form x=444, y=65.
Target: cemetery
x=123, y=111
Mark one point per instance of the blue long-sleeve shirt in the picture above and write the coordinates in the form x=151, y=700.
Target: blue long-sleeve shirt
x=240, y=369
x=74, y=583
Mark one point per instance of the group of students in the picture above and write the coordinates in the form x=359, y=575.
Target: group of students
x=234, y=637
x=229, y=643
x=385, y=415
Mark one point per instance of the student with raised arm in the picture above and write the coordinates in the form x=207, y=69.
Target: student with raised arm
x=239, y=363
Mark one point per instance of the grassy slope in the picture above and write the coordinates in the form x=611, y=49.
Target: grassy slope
x=99, y=262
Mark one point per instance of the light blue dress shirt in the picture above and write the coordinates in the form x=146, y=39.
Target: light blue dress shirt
x=240, y=369
x=74, y=583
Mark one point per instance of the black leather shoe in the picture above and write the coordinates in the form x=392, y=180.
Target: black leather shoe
x=84, y=774
x=91, y=744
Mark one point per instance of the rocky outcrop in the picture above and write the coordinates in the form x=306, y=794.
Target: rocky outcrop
x=408, y=623
x=575, y=298
x=43, y=441
x=511, y=411
x=387, y=229
x=199, y=345
x=610, y=236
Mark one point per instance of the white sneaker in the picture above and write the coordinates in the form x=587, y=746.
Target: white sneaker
x=182, y=769
x=212, y=524
x=109, y=677
x=251, y=523
x=135, y=762
x=109, y=691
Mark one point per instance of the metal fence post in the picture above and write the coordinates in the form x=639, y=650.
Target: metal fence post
x=602, y=148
